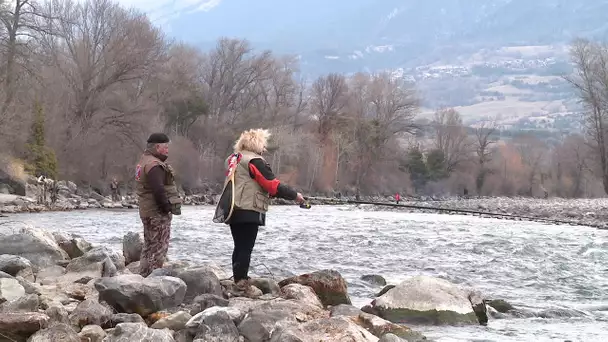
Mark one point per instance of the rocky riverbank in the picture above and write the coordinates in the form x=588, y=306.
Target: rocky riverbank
x=55, y=286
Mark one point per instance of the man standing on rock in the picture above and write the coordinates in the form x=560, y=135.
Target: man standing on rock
x=158, y=201
x=254, y=184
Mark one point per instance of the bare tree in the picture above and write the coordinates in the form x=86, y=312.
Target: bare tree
x=484, y=140
x=451, y=138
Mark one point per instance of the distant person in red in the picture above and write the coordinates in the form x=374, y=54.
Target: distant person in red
x=397, y=198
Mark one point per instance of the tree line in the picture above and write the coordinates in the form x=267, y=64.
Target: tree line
x=83, y=83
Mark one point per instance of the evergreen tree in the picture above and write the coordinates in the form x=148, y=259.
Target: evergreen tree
x=41, y=159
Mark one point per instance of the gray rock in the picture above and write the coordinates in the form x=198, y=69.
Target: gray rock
x=267, y=285
x=374, y=279
x=344, y=310
x=74, y=245
x=57, y=313
x=132, y=245
x=20, y=325
x=131, y=332
x=16, y=185
x=390, y=338
x=58, y=332
x=329, y=285
x=218, y=328
x=92, y=333
x=27, y=303
x=98, y=262
x=176, y=321
x=199, y=280
x=379, y=327
x=29, y=287
x=90, y=312
x=426, y=300
x=118, y=318
x=37, y=246
x=10, y=290
x=235, y=314
x=258, y=325
x=16, y=266
x=204, y=301
x=131, y=293
x=323, y=329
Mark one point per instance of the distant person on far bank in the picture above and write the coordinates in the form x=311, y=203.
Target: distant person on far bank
x=249, y=185
x=115, y=191
x=158, y=201
x=397, y=198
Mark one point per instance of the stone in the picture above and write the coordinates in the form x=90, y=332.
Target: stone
x=217, y=328
x=10, y=290
x=17, y=325
x=329, y=286
x=266, y=285
x=199, y=280
x=323, y=329
x=90, y=312
x=301, y=293
x=131, y=293
x=118, y=318
x=131, y=332
x=344, y=310
x=500, y=305
x=16, y=266
x=58, y=332
x=205, y=301
x=74, y=245
x=426, y=300
x=176, y=321
x=374, y=279
x=380, y=327
x=57, y=313
x=26, y=303
x=92, y=333
x=235, y=314
x=36, y=245
x=132, y=245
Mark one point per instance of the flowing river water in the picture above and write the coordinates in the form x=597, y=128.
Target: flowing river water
x=559, y=270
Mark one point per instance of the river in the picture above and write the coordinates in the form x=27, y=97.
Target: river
x=532, y=265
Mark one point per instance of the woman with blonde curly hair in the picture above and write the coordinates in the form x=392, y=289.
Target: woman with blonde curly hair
x=250, y=183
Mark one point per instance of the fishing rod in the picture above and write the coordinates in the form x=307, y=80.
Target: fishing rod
x=307, y=205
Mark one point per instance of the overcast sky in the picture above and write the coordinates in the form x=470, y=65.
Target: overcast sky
x=161, y=10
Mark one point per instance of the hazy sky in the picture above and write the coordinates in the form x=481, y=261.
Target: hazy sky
x=161, y=10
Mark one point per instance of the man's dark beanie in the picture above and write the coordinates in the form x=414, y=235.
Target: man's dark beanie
x=158, y=138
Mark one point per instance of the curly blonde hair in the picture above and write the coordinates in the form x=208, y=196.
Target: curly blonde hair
x=253, y=140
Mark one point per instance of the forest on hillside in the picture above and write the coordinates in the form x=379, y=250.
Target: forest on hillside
x=83, y=83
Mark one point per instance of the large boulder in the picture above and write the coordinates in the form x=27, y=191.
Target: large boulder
x=327, y=284
x=218, y=327
x=131, y=293
x=90, y=312
x=36, y=245
x=74, y=245
x=97, y=262
x=428, y=300
x=131, y=332
x=132, y=245
x=199, y=280
x=10, y=290
x=302, y=293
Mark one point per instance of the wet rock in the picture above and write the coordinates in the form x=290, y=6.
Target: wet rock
x=16, y=266
x=266, y=285
x=329, y=286
x=324, y=329
x=17, y=325
x=199, y=280
x=204, y=301
x=134, y=294
x=119, y=318
x=218, y=327
x=374, y=279
x=176, y=321
x=10, y=290
x=500, y=305
x=92, y=333
x=58, y=332
x=37, y=246
x=131, y=332
x=132, y=245
x=301, y=293
x=426, y=300
x=90, y=312
x=74, y=245
x=385, y=290
x=27, y=303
